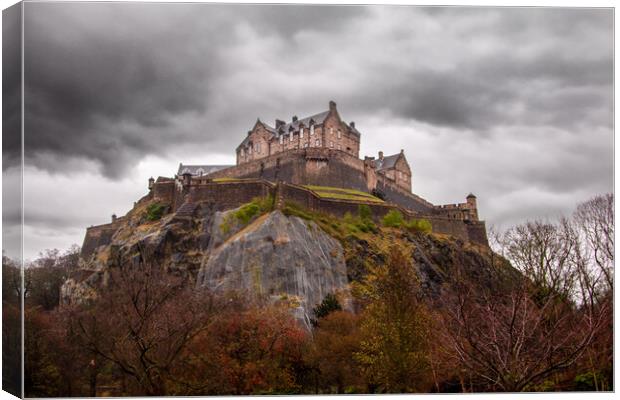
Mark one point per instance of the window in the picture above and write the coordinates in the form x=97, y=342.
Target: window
x=311, y=130
x=291, y=138
x=331, y=144
x=339, y=134
x=331, y=131
x=317, y=143
x=306, y=144
x=258, y=148
x=301, y=133
x=281, y=139
x=339, y=147
x=242, y=153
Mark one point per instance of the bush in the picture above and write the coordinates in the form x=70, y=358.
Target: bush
x=246, y=212
x=155, y=211
x=419, y=225
x=393, y=219
x=329, y=304
x=364, y=212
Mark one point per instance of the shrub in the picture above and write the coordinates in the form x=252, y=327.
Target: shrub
x=419, y=225
x=246, y=212
x=364, y=212
x=329, y=304
x=393, y=219
x=155, y=211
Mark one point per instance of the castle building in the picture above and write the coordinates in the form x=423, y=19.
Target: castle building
x=322, y=138
x=322, y=130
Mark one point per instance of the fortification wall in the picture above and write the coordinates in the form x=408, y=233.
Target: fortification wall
x=227, y=195
x=324, y=167
x=99, y=235
x=467, y=231
x=395, y=194
x=306, y=166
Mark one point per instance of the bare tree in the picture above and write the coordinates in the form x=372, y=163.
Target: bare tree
x=142, y=322
x=511, y=342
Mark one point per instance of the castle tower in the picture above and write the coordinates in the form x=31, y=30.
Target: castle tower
x=472, y=206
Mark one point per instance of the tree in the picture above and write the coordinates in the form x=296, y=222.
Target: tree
x=253, y=351
x=142, y=322
x=329, y=304
x=509, y=340
x=394, y=327
x=335, y=344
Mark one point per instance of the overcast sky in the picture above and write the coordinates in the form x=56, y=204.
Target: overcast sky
x=514, y=105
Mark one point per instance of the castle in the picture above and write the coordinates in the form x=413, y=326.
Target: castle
x=290, y=161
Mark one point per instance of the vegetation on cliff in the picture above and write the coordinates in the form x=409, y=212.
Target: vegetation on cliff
x=425, y=313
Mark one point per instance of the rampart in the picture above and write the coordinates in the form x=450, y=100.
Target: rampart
x=325, y=167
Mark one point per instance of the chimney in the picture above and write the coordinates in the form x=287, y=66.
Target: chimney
x=113, y=217
x=279, y=123
x=402, y=151
x=352, y=124
x=294, y=118
x=332, y=105
x=151, y=182
x=249, y=133
x=380, y=155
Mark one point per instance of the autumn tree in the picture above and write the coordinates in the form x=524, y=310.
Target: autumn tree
x=336, y=341
x=394, y=327
x=252, y=351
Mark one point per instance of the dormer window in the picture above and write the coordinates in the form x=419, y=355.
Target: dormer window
x=311, y=130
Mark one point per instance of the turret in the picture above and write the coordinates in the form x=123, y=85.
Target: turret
x=151, y=183
x=113, y=218
x=472, y=206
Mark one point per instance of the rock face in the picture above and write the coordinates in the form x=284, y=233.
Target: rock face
x=277, y=256
x=273, y=257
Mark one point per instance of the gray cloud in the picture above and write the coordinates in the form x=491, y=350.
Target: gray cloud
x=499, y=101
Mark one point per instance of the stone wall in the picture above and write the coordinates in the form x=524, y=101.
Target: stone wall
x=99, y=235
x=227, y=195
x=325, y=167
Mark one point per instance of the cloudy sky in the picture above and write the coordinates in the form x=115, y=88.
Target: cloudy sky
x=514, y=105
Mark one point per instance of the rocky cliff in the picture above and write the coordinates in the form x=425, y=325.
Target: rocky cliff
x=271, y=254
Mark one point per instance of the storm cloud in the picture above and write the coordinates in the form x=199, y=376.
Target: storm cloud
x=513, y=104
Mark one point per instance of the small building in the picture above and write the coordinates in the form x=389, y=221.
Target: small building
x=395, y=168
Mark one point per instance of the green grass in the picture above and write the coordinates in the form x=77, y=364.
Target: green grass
x=342, y=194
x=247, y=212
x=224, y=180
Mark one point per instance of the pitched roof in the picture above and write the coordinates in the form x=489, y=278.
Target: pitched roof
x=387, y=162
x=317, y=118
x=197, y=170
